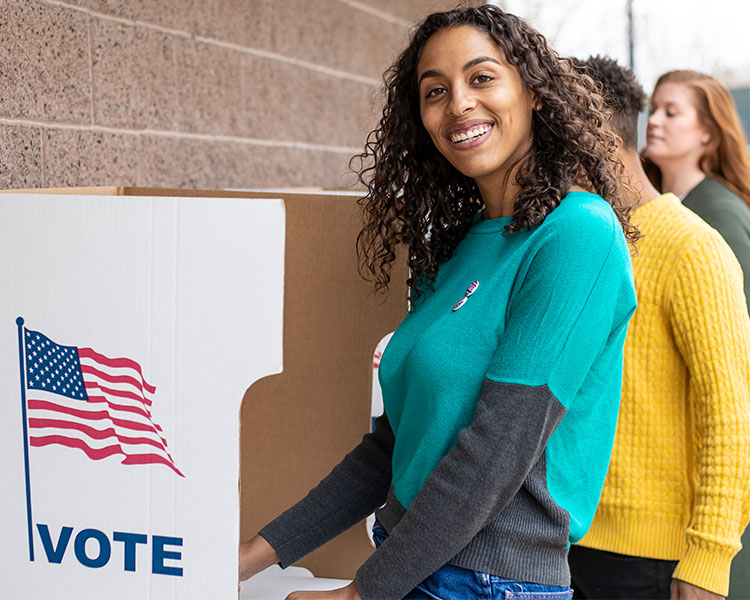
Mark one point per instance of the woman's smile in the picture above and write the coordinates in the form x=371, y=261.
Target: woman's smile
x=470, y=134
x=474, y=104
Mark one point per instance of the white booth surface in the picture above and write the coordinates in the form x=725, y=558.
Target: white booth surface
x=276, y=584
x=130, y=328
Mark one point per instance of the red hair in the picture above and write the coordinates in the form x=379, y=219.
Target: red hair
x=725, y=157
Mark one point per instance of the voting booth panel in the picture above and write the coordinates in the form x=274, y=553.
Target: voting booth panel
x=296, y=425
x=304, y=420
x=130, y=329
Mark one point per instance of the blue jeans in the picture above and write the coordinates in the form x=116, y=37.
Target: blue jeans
x=456, y=583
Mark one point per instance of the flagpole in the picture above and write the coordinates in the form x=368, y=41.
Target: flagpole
x=19, y=322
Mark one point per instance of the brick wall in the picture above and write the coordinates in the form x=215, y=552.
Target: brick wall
x=192, y=93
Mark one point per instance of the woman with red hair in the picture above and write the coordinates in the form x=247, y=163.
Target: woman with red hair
x=698, y=151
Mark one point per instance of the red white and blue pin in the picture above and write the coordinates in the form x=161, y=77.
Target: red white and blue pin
x=469, y=291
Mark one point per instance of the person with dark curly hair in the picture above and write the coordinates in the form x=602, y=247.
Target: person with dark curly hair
x=675, y=500
x=493, y=166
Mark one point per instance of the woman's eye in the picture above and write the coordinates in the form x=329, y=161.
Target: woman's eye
x=670, y=113
x=435, y=92
x=482, y=78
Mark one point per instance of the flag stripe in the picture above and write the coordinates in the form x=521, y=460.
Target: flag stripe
x=144, y=396
x=136, y=410
x=102, y=375
x=100, y=453
x=96, y=405
x=97, y=434
x=139, y=459
x=133, y=410
x=47, y=406
x=116, y=363
x=93, y=453
x=115, y=392
x=91, y=415
x=98, y=444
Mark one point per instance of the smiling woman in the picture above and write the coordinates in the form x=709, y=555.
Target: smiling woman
x=492, y=164
x=480, y=103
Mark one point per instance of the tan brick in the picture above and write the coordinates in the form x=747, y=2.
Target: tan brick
x=243, y=23
x=296, y=167
x=175, y=162
x=134, y=76
x=190, y=16
x=88, y=158
x=414, y=10
x=209, y=88
x=288, y=102
x=21, y=164
x=333, y=34
x=45, y=62
x=193, y=164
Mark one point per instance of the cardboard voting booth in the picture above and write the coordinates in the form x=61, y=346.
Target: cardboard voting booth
x=166, y=309
x=129, y=330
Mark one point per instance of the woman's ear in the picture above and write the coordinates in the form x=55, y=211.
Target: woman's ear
x=533, y=99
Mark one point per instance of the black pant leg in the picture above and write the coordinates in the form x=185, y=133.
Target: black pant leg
x=600, y=575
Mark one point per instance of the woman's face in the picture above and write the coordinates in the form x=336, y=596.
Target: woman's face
x=473, y=103
x=674, y=132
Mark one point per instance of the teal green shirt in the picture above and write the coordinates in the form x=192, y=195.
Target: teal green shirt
x=501, y=400
x=551, y=309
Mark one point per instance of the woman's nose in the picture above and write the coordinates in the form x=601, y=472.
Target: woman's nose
x=461, y=101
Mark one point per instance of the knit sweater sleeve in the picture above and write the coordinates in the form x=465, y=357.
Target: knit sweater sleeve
x=566, y=300
x=712, y=332
x=353, y=489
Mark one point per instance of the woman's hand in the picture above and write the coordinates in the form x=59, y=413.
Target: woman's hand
x=350, y=592
x=682, y=590
x=256, y=555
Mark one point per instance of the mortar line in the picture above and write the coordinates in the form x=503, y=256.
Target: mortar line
x=349, y=150
x=91, y=69
x=289, y=60
x=221, y=44
x=376, y=13
x=43, y=156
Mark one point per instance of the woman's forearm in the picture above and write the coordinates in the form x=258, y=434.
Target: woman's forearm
x=256, y=555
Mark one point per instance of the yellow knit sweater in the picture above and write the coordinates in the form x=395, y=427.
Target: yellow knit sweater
x=678, y=483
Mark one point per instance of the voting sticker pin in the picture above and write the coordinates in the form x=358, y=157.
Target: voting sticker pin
x=472, y=288
x=459, y=304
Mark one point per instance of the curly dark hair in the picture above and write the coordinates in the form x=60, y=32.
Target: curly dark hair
x=417, y=198
x=622, y=94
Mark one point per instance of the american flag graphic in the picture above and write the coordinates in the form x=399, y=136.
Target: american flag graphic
x=81, y=399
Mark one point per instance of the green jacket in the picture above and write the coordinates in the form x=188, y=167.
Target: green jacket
x=726, y=212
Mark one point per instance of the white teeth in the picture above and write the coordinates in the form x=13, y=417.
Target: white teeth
x=470, y=135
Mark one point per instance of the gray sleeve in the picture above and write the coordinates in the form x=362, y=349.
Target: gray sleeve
x=470, y=486
x=351, y=491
